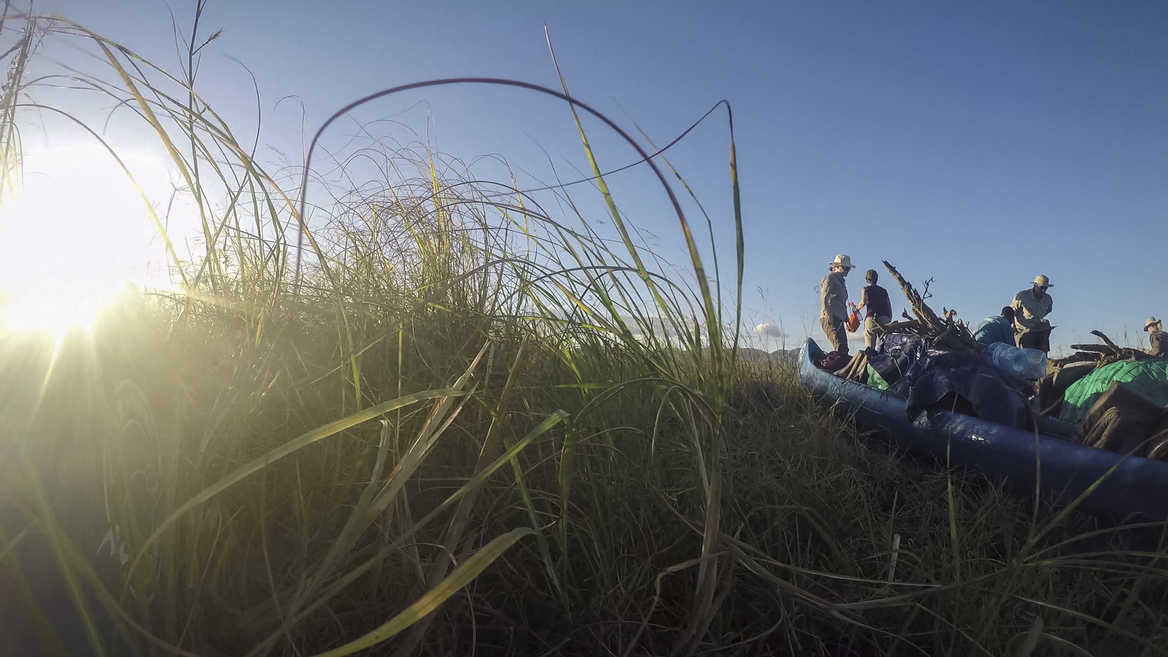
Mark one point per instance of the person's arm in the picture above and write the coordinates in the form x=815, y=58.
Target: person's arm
x=863, y=298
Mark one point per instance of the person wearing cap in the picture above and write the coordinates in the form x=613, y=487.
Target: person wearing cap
x=833, y=301
x=1157, y=338
x=1030, y=310
x=877, y=306
x=996, y=329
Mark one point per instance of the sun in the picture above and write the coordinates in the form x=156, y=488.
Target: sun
x=74, y=235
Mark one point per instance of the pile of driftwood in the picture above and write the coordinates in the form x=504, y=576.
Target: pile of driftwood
x=1121, y=419
x=1064, y=372
x=1100, y=354
x=943, y=331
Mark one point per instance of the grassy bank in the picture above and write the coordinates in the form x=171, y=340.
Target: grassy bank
x=436, y=420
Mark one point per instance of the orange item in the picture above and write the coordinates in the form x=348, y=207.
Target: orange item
x=853, y=319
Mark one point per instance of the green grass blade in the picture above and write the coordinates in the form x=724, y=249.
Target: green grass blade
x=57, y=542
x=460, y=577
x=951, y=508
x=1025, y=644
x=540, y=538
x=472, y=486
x=290, y=447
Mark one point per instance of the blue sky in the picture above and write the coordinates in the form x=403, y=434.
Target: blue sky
x=978, y=143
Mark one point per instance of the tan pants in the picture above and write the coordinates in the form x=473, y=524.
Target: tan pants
x=834, y=330
x=872, y=329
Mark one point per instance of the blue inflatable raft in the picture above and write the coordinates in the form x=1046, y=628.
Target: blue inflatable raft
x=1130, y=485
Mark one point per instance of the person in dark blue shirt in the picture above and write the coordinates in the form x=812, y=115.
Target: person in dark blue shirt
x=996, y=329
x=879, y=309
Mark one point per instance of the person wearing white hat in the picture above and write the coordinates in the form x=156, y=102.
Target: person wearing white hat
x=1157, y=338
x=1030, y=310
x=833, y=301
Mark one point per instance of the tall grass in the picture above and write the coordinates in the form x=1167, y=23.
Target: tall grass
x=416, y=412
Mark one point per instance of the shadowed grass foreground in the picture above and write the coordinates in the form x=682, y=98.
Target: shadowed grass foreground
x=462, y=425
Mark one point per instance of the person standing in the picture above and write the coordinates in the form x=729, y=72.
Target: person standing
x=1030, y=310
x=1157, y=338
x=833, y=300
x=877, y=308
x=996, y=329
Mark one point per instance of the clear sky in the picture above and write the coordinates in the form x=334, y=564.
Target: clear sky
x=977, y=143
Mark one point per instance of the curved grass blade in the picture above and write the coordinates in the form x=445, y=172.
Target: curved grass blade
x=57, y=541
x=461, y=576
x=290, y=447
x=470, y=487
x=1026, y=642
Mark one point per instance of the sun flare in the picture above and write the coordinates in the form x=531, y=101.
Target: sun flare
x=74, y=234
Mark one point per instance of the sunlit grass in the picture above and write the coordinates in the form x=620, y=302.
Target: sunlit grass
x=464, y=424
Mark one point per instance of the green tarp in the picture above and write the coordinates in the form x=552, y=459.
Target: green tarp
x=1147, y=377
x=875, y=380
